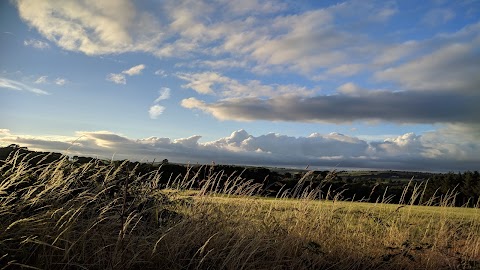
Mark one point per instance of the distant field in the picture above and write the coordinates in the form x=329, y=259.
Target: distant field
x=64, y=215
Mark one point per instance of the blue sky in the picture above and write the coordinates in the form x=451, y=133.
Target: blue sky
x=356, y=84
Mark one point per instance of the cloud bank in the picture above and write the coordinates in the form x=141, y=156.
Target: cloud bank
x=447, y=149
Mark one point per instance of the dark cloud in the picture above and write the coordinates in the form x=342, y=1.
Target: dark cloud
x=400, y=107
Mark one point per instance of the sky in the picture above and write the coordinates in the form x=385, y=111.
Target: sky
x=389, y=85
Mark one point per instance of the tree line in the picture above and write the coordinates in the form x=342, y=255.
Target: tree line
x=461, y=188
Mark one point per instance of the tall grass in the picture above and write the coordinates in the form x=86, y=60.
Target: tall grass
x=63, y=215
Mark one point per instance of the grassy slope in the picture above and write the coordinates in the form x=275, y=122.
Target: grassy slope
x=94, y=216
x=359, y=235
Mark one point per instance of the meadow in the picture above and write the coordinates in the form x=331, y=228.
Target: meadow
x=109, y=215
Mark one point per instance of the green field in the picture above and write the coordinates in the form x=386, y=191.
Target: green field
x=64, y=215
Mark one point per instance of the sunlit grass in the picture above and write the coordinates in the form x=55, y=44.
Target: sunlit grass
x=108, y=216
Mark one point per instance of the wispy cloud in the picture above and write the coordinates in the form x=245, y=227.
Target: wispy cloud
x=213, y=83
x=18, y=86
x=44, y=80
x=41, y=80
x=438, y=16
x=136, y=70
x=161, y=73
x=37, y=44
x=117, y=78
x=163, y=94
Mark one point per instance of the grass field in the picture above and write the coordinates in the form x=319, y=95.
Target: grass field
x=107, y=216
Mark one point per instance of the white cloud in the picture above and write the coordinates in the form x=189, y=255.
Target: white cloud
x=190, y=142
x=193, y=103
x=117, y=78
x=37, y=44
x=408, y=143
x=4, y=132
x=60, y=81
x=350, y=89
x=57, y=81
x=308, y=42
x=18, y=86
x=202, y=82
x=41, y=79
x=93, y=27
x=213, y=83
x=155, y=111
x=136, y=70
x=163, y=94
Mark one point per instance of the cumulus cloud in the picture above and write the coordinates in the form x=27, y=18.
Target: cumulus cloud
x=431, y=151
x=37, y=44
x=117, y=78
x=400, y=107
x=18, y=86
x=155, y=111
